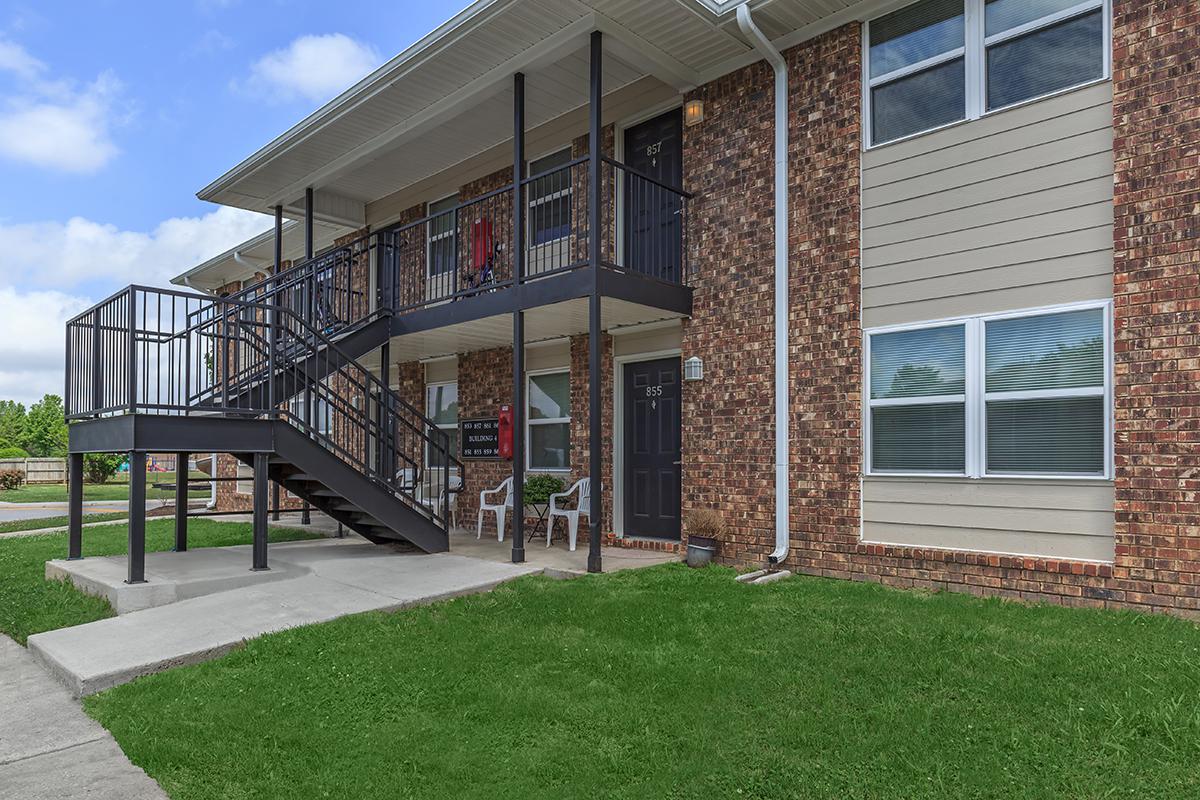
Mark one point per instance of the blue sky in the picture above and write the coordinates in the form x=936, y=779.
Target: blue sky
x=114, y=113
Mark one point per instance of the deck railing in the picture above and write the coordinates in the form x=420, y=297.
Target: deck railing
x=159, y=351
x=468, y=249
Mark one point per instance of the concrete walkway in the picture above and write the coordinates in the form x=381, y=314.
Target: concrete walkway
x=11, y=512
x=50, y=749
x=330, y=578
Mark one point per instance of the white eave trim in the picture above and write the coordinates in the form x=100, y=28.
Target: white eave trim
x=471, y=17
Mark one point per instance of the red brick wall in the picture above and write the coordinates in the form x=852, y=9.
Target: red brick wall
x=484, y=384
x=1156, y=113
x=728, y=428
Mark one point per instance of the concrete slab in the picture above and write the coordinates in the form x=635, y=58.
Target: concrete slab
x=343, y=577
x=169, y=576
x=49, y=748
x=556, y=560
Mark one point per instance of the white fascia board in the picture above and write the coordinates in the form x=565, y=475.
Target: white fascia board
x=474, y=15
x=495, y=81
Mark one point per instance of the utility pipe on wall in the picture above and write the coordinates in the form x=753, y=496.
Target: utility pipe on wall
x=782, y=386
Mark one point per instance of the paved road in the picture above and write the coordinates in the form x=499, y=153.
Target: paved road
x=50, y=749
x=10, y=512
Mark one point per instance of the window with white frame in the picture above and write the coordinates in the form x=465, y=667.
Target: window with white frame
x=245, y=479
x=548, y=420
x=549, y=213
x=442, y=235
x=322, y=418
x=940, y=61
x=1021, y=394
x=441, y=406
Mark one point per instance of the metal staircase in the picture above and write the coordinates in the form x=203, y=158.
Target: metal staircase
x=270, y=370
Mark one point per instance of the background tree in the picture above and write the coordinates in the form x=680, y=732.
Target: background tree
x=12, y=423
x=46, y=428
x=101, y=467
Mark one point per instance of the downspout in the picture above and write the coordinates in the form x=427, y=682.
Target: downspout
x=782, y=386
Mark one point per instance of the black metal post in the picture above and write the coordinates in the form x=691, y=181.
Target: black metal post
x=133, y=367
x=383, y=435
x=75, y=506
x=594, y=427
x=137, y=519
x=518, y=358
x=305, y=510
x=259, y=546
x=272, y=337
x=181, y=502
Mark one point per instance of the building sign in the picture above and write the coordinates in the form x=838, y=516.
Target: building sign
x=480, y=439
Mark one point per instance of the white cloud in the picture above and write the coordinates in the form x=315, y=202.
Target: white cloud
x=82, y=251
x=311, y=67
x=31, y=341
x=70, y=134
x=14, y=59
x=55, y=124
x=82, y=257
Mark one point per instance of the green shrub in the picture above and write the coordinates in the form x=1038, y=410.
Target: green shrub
x=100, y=467
x=11, y=479
x=13, y=452
x=538, y=488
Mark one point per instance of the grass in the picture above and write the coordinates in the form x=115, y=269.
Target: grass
x=677, y=683
x=54, y=522
x=116, y=489
x=30, y=604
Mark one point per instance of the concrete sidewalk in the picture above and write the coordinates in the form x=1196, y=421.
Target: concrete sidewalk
x=50, y=749
x=331, y=578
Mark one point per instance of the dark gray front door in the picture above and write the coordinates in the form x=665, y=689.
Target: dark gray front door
x=652, y=448
x=653, y=229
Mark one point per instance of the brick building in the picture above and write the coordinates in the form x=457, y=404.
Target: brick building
x=948, y=340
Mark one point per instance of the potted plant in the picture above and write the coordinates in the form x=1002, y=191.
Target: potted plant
x=538, y=488
x=705, y=527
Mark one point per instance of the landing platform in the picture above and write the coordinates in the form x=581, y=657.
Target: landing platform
x=317, y=581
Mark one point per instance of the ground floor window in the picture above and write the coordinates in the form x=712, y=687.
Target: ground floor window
x=548, y=420
x=441, y=406
x=1020, y=394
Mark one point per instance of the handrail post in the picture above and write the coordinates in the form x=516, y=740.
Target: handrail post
x=273, y=315
x=97, y=366
x=132, y=350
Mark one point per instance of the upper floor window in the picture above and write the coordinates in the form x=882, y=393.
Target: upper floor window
x=549, y=213
x=1022, y=394
x=442, y=235
x=940, y=61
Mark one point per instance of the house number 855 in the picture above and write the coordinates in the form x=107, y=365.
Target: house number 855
x=654, y=391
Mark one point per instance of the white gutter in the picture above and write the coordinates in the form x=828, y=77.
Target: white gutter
x=782, y=386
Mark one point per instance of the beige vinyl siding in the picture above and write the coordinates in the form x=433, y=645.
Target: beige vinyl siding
x=442, y=370
x=1010, y=211
x=1070, y=520
x=655, y=340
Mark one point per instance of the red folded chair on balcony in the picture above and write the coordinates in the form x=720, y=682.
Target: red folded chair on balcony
x=483, y=254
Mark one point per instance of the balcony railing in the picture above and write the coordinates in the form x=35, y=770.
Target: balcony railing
x=467, y=250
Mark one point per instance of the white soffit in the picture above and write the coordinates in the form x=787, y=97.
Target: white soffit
x=448, y=97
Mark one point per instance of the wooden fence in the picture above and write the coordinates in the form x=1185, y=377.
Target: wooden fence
x=38, y=470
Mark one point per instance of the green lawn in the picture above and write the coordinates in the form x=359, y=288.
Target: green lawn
x=116, y=489
x=30, y=604
x=673, y=683
x=54, y=522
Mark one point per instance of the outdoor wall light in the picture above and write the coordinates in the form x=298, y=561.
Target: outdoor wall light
x=693, y=112
x=693, y=369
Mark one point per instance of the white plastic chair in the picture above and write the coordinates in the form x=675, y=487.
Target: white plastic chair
x=571, y=515
x=499, y=509
x=429, y=494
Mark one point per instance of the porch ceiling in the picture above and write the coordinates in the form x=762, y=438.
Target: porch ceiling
x=448, y=97
x=554, y=321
